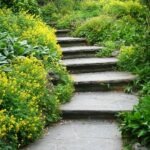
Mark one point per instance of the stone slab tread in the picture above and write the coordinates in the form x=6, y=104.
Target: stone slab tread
x=100, y=102
x=80, y=135
x=103, y=77
x=62, y=31
x=81, y=49
x=70, y=39
x=89, y=61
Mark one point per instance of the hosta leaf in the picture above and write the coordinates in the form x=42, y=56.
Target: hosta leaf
x=142, y=133
x=3, y=62
x=5, y=52
x=7, y=69
x=24, y=42
x=2, y=58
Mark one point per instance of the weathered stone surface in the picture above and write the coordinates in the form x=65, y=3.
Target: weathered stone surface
x=71, y=41
x=81, y=135
x=80, y=51
x=102, y=81
x=82, y=65
x=103, y=77
x=62, y=33
x=99, y=103
x=89, y=61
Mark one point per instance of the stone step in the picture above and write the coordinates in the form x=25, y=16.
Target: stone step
x=82, y=65
x=98, y=104
x=71, y=41
x=80, y=51
x=102, y=81
x=80, y=135
x=62, y=33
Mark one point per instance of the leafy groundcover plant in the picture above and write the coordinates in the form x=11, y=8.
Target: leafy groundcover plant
x=29, y=100
x=42, y=43
x=69, y=13
x=17, y=5
x=26, y=102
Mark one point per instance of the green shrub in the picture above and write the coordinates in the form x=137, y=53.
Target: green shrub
x=103, y=29
x=108, y=49
x=135, y=58
x=95, y=29
x=10, y=48
x=30, y=28
x=90, y=8
x=49, y=13
x=18, y=5
x=70, y=13
x=128, y=54
x=146, y=2
x=25, y=101
x=41, y=2
x=41, y=41
x=28, y=99
x=52, y=11
x=65, y=6
x=120, y=8
x=70, y=20
x=116, y=8
x=88, y=5
x=136, y=125
x=127, y=30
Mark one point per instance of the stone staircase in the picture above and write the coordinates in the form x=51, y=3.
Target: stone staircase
x=89, y=119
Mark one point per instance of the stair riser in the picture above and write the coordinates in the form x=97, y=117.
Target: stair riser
x=88, y=115
x=67, y=55
x=91, y=68
x=72, y=43
x=89, y=87
x=63, y=34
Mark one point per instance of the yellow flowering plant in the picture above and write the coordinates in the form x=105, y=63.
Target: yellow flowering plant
x=28, y=99
x=29, y=27
x=43, y=41
x=26, y=103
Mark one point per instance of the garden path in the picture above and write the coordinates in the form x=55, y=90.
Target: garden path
x=89, y=121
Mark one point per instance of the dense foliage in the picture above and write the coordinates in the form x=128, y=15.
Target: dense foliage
x=30, y=28
x=25, y=102
x=137, y=123
x=18, y=5
x=29, y=64
x=122, y=25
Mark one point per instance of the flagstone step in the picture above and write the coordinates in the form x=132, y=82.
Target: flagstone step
x=62, y=33
x=98, y=104
x=71, y=41
x=80, y=51
x=96, y=81
x=80, y=135
x=81, y=65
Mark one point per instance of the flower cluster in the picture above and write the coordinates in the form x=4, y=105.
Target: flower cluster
x=28, y=99
x=28, y=27
x=24, y=100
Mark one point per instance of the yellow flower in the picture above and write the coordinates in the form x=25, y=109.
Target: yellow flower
x=30, y=136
